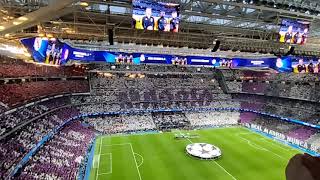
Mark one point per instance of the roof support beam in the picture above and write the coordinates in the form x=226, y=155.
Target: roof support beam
x=53, y=10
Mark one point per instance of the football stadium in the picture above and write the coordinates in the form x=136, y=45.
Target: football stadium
x=159, y=90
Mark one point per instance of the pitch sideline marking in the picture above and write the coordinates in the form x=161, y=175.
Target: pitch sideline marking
x=214, y=161
x=277, y=143
x=254, y=145
x=95, y=161
x=225, y=170
x=99, y=158
x=273, y=141
x=141, y=158
x=122, y=144
x=262, y=148
x=244, y=133
x=134, y=157
x=111, y=161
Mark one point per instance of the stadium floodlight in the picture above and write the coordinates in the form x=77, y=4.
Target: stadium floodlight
x=22, y=18
x=84, y=4
x=16, y=22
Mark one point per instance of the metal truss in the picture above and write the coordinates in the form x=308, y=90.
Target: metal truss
x=238, y=24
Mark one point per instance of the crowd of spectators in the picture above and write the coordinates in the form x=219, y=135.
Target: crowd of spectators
x=209, y=119
x=155, y=91
x=61, y=157
x=8, y=122
x=290, y=108
x=20, y=116
x=112, y=124
x=301, y=134
x=14, y=94
x=88, y=108
x=121, y=123
x=14, y=147
x=170, y=120
x=18, y=68
x=314, y=141
x=3, y=107
x=295, y=86
x=293, y=90
x=152, y=68
x=99, y=108
x=267, y=75
x=119, y=82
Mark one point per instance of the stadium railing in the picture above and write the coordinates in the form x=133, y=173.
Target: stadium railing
x=84, y=169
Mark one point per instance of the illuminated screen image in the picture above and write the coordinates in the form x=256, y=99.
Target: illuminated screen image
x=124, y=58
x=294, y=32
x=54, y=52
x=310, y=66
x=45, y=50
x=179, y=60
x=156, y=15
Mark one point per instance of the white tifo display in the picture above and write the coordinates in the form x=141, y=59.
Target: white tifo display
x=203, y=151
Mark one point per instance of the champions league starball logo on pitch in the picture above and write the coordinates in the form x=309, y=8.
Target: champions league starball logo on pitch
x=203, y=151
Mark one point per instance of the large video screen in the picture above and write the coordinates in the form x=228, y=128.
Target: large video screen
x=45, y=50
x=156, y=15
x=294, y=32
x=54, y=52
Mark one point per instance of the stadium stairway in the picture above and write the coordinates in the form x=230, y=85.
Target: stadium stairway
x=221, y=80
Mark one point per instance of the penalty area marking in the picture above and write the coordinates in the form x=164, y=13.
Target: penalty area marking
x=134, y=157
x=214, y=161
x=273, y=141
x=110, y=159
x=121, y=144
x=141, y=159
x=253, y=144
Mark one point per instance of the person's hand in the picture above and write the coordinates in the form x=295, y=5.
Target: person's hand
x=313, y=164
x=303, y=167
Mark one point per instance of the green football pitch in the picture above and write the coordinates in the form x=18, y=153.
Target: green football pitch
x=245, y=156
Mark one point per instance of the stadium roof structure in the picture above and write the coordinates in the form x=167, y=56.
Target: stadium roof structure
x=245, y=25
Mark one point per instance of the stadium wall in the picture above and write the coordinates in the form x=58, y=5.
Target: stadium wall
x=282, y=140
